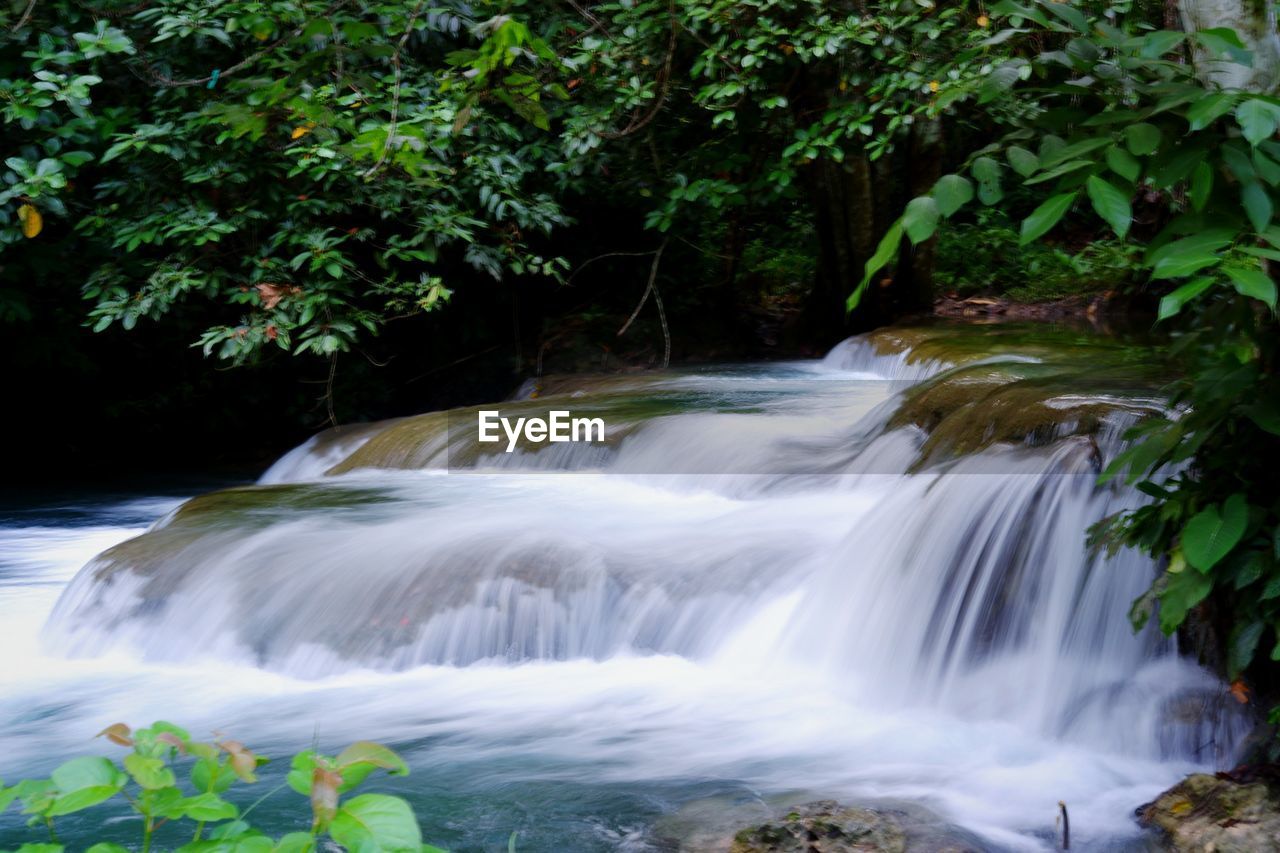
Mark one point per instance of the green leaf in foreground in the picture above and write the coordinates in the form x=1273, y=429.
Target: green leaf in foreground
x=1212, y=533
x=1172, y=304
x=951, y=193
x=884, y=253
x=1045, y=217
x=371, y=823
x=1111, y=204
x=920, y=219
x=150, y=773
x=1254, y=283
x=85, y=782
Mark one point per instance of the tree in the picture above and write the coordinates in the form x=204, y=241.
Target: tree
x=308, y=171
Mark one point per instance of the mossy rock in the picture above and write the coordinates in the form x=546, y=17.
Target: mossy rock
x=824, y=827
x=1213, y=813
x=968, y=409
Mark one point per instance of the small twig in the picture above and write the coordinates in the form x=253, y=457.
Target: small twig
x=706, y=252
x=664, y=87
x=395, y=91
x=328, y=389
x=596, y=23
x=662, y=317
x=584, y=264
x=1066, y=826
x=454, y=363
x=26, y=16
x=652, y=287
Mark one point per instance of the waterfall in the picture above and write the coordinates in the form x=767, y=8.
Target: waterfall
x=798, y=518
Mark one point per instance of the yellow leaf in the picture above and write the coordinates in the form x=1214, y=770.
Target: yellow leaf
x=934, y=85
x=299, y=132
x=32, y=221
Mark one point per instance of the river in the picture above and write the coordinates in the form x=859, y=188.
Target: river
x=863, y=578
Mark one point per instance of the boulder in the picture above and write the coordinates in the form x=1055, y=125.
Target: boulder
x=824, y=827
x=1237, y=812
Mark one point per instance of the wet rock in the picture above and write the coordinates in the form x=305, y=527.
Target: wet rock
x=824, y=827
x=715, y=825
x=1227, y=813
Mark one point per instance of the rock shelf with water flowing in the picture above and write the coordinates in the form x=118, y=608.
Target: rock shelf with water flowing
x=862, y=578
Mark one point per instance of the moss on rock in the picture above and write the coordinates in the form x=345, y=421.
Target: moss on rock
x=824, y=827
x=1217, y=813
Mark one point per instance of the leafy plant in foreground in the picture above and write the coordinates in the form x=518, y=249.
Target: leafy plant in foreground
x=148, y=779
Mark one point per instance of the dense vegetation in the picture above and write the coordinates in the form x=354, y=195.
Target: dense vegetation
x=328, y=180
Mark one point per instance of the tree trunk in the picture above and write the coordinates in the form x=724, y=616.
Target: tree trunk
x=844, y=217
x=1255, y=22
x=913, y=282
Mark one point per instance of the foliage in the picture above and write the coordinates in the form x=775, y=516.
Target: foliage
x=1125, y=129
x=148, y=780
x=304, y=169
x=986, y=256
x=802, y=79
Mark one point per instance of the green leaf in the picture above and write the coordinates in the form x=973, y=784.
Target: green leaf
x=1111, y=204
x=210, y=776
x=1266, y=168
x=1072, y=16
x=107, y=847
x=1201, y=186
x=987, y=173
x=1172, y=304
x=1242, y=645
x=208, y=807
x=295, y=842
x=884, y=253
x=952, y=192
x=233, y=829
x=371, y=823
x=920, y=219
x=1212, y=533
x=1188, y=255
x=363, y=757
x=1257, y=119
x=1223, y=41
x=1045, y=217
x=85, y=782
x=1257, y=204
x=1060, y=170
x=1183, y=591
x=1157, y=44
x=1255, y=284
x=1142, y=138
x=1123, y=163
x=149, y=772
x=1266, y=414
x=1022, y=160
x=1209, y=109
x=303, y=767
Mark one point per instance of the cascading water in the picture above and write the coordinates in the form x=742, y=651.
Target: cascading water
x=864, y=578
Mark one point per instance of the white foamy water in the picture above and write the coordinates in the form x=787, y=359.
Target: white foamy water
x=751, y=596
